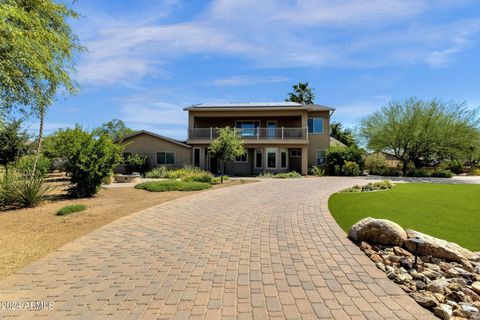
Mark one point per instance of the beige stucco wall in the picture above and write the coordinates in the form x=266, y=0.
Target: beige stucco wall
x=318, y=141
x=150, y=145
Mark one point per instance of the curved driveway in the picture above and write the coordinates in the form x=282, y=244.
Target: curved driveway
x=256, y=251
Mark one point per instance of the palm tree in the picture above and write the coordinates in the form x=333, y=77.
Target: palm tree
x=302, y=93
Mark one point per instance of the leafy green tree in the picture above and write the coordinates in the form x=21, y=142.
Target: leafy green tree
x=36, y=56
x=418, y=131
x=226, y=147
x=136, y=163
x=338, y=156
x=13, y=142
x=88, y=158
x=302, y=93
x=115, y=128
x=345, y=136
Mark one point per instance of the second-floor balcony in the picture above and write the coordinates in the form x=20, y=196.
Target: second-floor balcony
x=251, y=133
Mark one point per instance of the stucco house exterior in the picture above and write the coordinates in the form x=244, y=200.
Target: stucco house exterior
x=279, y=137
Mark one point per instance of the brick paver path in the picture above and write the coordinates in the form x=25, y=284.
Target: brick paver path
x=268, y=250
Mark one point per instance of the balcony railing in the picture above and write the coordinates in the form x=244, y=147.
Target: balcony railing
x=251, y=133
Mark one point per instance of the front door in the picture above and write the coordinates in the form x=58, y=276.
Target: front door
x=271, y=129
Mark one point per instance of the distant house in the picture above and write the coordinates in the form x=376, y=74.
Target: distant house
x=392, y=160
x=160, y=150
x=279, y=137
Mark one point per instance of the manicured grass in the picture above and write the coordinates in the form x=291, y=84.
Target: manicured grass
x=446, y=211
x=173, y=185
x=65, y=211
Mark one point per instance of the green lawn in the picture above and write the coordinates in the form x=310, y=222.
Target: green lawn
x=450, y=212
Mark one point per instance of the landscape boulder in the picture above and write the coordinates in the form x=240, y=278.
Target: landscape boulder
x=378, y=231
x=437, y=248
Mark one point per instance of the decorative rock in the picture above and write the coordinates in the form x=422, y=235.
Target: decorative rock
x=472, y=294
x=378, y=231
x=468, y=308
x=455, y=286
x=437, y=248
x=425, y=299
x=476, y=287
x=440, y=297
x=438, y=286
x=443, y=311
x=420, y=285
x=376, y=258
x=401, y=252
x=457, y=296
x=405, y=263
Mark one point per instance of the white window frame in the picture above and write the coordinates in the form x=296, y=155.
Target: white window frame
x=241, y=161
x=275, y=152
x=286, y=158
x=255, y=158
x=319, y=157
x=313, y=123
x=166, y=164
x=199, y=156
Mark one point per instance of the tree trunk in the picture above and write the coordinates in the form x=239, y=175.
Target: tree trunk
x=404, y=167
x=223, y=171
x=41, y=111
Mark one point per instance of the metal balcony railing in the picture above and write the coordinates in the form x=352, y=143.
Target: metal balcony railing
x=251, y=133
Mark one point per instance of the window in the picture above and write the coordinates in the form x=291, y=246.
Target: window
x=321, y=157
x=242, y=158
x=196, y=157
x=167, y=157
x=296, y=153
x=315, y=125
x=248, y=128
x=271, y=158
x=258, y=158
x=126, y=155
x=283, y=158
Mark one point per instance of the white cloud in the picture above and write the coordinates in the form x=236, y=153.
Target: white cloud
x=246, y=80
x=273, y=34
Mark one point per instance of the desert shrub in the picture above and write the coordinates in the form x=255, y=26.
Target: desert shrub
x=287, y=175
x=217, y=180
x=25, y=164
x=375, y=186
x=108, y=179
x=281, y=175
x=199, y=176
x=157, y=173
x=338, y=156
x=31, y=190
x=351, y=168
x=439, y=173
x=317, y=171
x=455, y=166
x=375, y=162
x=89, y=160
x=136, y=163
x=71, y=209
x=8, y=188
x=172, y=185
x=419, y=173
x=389, y=172
x=266, y=175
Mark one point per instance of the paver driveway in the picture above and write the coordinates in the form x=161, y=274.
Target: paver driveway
x=254, y=251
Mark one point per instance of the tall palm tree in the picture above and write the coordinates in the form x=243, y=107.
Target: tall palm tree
x=302, y=93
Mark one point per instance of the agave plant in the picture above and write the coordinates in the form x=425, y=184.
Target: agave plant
x=31, y=190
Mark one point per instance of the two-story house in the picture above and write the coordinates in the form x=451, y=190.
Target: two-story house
x=279, y=137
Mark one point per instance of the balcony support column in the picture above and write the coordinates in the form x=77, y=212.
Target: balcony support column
x=211, y=133
x=304, y=160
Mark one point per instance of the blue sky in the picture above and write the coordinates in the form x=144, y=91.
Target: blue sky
x=147, y=60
